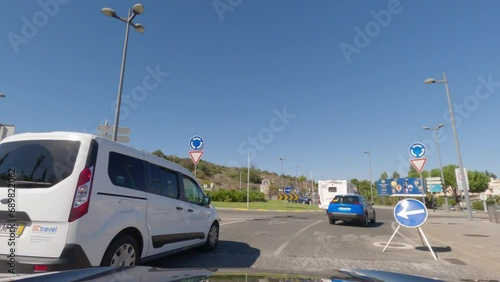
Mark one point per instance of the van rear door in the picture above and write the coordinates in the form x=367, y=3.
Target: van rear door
x=38, y=178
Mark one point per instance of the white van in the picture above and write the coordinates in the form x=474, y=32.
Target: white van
x=328, y=189
x=73, y=200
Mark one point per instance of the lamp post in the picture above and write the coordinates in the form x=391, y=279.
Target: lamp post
x=436, y=139
x=248, y=180
x=281, y=176
x=370, y=165
x=459, y=154
x=136, y=10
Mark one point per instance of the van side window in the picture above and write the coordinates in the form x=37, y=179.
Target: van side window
x=125, y=171
x=192, y=191
x=163, y=182
x=169, y=186
x=332, y=189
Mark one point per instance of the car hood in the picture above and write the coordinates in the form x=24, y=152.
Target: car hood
x=153, y=274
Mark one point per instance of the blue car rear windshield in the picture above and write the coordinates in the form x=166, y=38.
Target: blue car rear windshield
x=345, y=199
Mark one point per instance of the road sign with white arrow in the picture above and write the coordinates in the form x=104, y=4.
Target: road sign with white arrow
x=410, y=213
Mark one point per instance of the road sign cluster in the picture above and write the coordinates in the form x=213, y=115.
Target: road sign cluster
x=435, y=184
x=196, y=143
x=292, y=197
x=417, y=152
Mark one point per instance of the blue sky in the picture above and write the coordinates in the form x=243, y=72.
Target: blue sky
x=230, y=71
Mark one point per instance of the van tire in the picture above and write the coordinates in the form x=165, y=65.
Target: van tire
x=212, y=238
x=332, y=221
x=116, y=253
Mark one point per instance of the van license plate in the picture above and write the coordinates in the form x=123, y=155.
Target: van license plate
x=6, y=228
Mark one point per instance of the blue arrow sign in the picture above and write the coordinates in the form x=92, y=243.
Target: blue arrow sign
x=196, y=143
x=417, y=150
x=410, y=213
x=436, y=188
x=288, y=190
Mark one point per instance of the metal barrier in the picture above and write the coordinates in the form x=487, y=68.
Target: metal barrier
x=494, y=213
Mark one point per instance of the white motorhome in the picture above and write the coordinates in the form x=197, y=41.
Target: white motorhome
x=73, y=200
x=328, y=189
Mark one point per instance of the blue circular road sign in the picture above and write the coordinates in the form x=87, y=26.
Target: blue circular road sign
x=288, y=190
x=196, y=143
x=410, y=213
x=417, y=150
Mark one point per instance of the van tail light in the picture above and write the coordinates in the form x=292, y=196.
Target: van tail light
x=81, y=201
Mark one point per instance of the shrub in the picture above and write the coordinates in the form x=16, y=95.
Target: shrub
x=477, y=205
x=223, y=195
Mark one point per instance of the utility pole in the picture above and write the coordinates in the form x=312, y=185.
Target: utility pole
x=281, y=176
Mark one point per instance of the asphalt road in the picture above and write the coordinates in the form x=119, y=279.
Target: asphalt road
x=304, y=242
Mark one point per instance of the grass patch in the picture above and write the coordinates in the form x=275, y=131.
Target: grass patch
x=269, y=205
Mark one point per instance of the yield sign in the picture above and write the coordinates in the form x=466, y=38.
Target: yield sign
x=419, y=164
x=196, y=156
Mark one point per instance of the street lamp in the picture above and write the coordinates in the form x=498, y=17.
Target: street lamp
x=248, y=180
x=370, y=165
x=436, y=139
x=281, y=176
x=136, y=10
x=460, y=163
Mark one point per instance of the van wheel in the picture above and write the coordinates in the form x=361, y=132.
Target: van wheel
x=122, y=251
x=212, y=238
x=332, y=221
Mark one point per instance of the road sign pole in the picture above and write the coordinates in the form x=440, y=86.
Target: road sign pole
x=427, y=242
x=194, y=170
x=441, y=168
x=423, y=188
x=396, y=231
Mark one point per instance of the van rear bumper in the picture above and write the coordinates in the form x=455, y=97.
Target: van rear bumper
x=72, y=257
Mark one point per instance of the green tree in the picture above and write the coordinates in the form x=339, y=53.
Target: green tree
x=395, y=174
x=478, y=181
x=384, y=175
x=450, y=180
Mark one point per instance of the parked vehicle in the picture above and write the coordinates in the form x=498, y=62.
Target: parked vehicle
x=328, y=189
x=82, y=200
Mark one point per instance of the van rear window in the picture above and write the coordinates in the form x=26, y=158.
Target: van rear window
x=37, y=163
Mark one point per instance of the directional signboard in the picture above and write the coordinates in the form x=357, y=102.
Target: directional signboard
x=400, y=187
x=417, y=150
x=433, y=180
x=410, y=213
x=196, y=143
x=122, y=139
x=436, y=188
x=288, y=197
x=107, y=129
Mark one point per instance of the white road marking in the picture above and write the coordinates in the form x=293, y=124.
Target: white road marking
x=273, y=222
x=231, y=222
x=394, y=245
x=283, y=246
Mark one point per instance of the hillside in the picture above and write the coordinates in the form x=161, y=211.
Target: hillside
x=229, y=177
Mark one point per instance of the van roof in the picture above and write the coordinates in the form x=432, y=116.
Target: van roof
x=69, y=135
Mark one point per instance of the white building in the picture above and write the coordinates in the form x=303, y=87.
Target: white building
x=494, y=187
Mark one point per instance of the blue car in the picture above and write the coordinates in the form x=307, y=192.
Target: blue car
x=351, y=207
